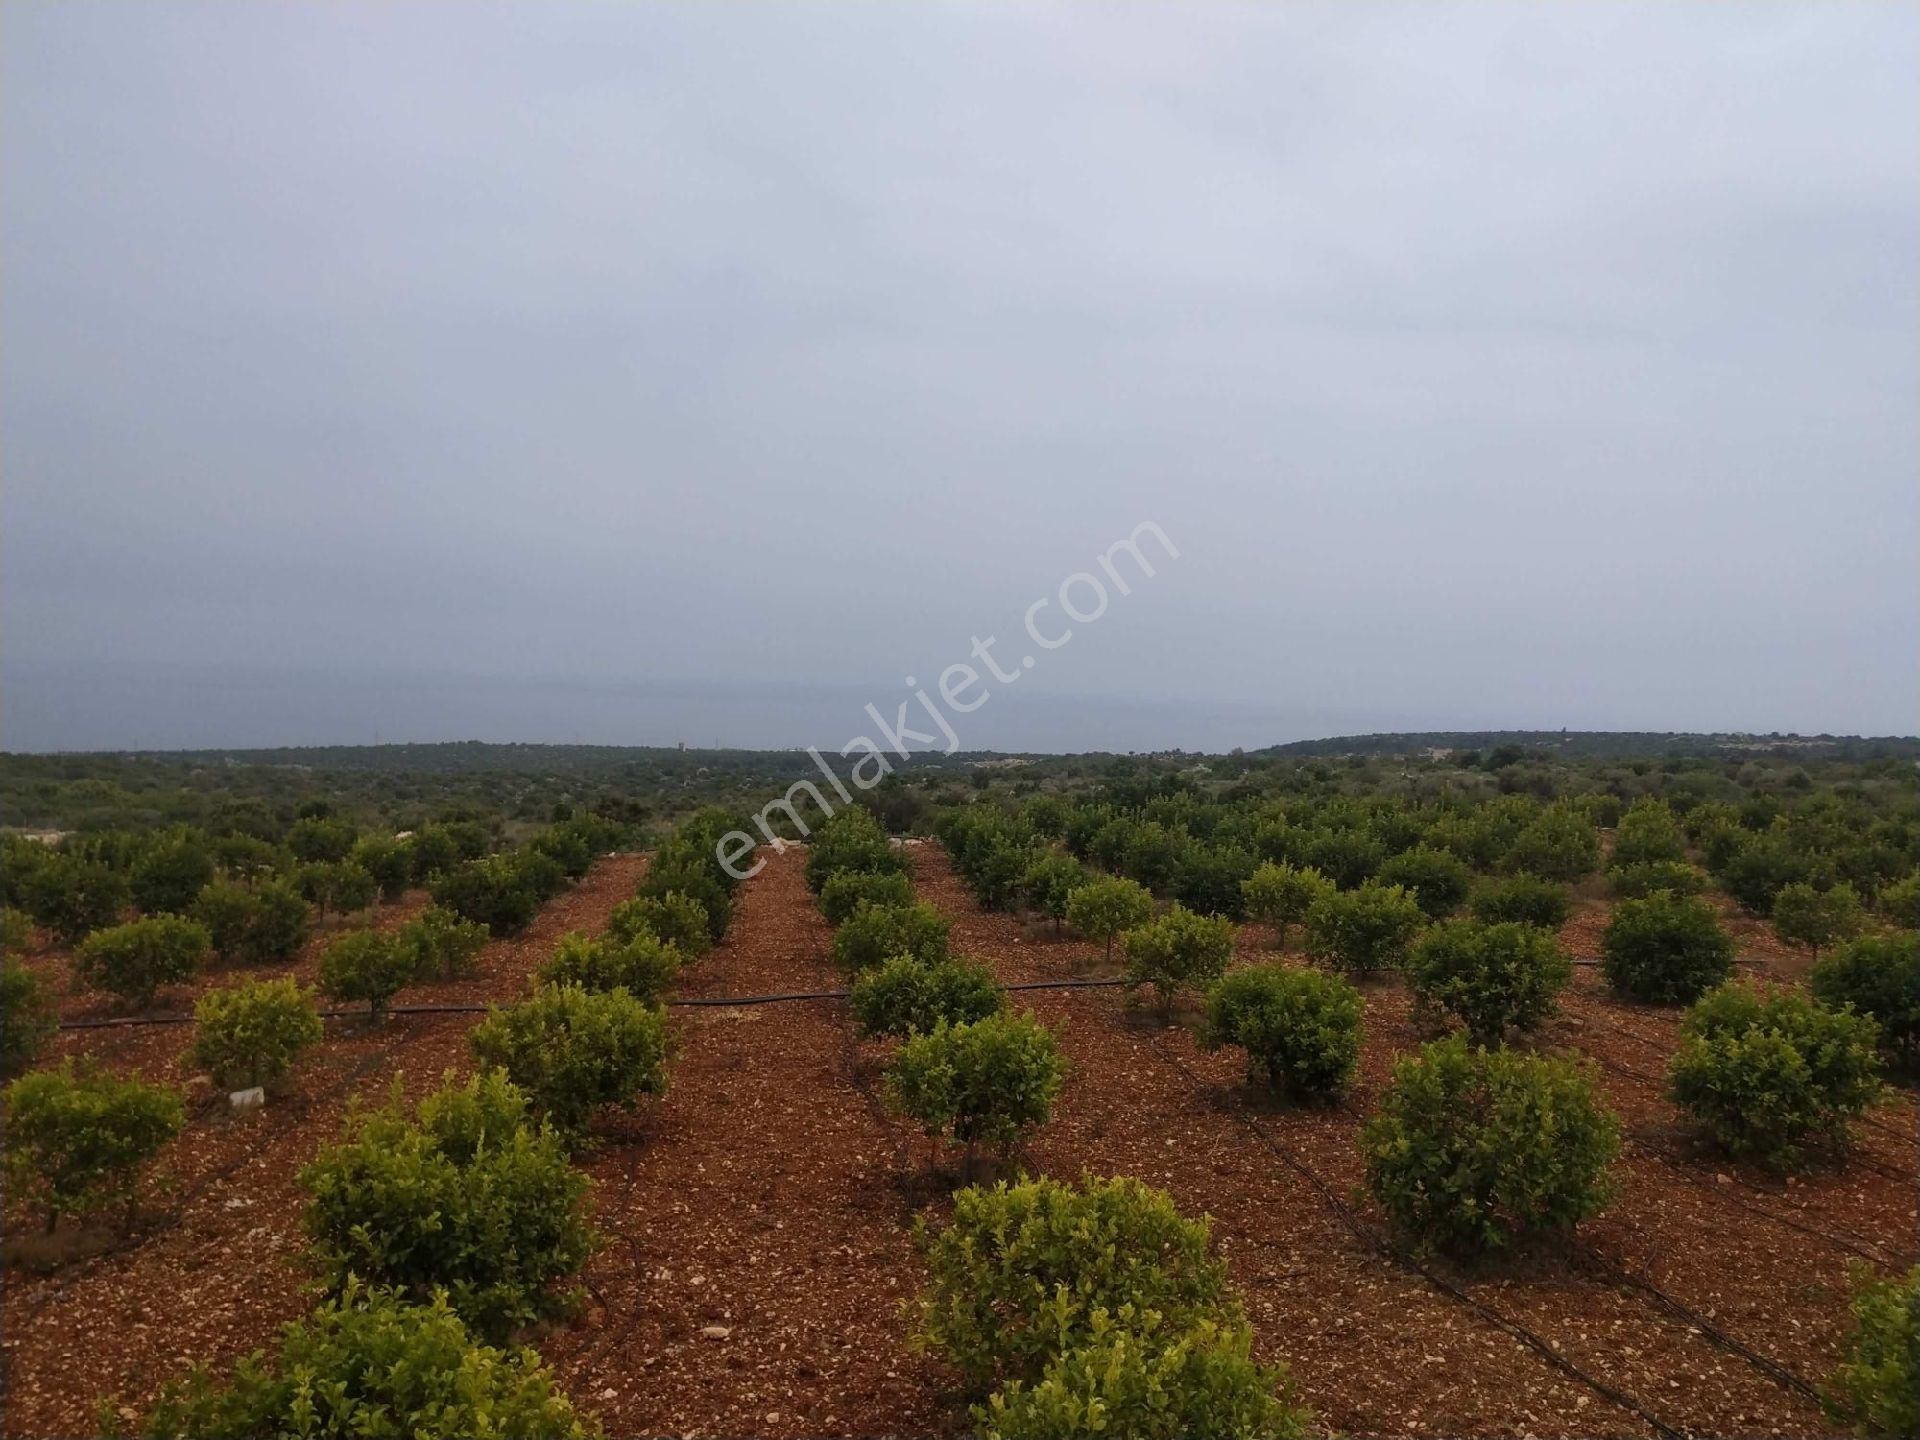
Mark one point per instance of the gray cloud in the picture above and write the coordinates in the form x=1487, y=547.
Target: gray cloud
x=426, y=372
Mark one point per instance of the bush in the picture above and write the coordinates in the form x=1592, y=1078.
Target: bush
x=1363, y=930
x=1637, y=881
x=852, y=840
x=1561, y=844
x=1020, y=1272
x=433, y=851
x=845, y=891
x=905, y=995
x=1210, y=880
x=1102, y=909
x=679, y=920
x=1348, y=857
x=443, y=946
x=1281, y=895
x=172, y=871
x=1648, y=834
x=1523, y=900
x=1049, y=882
x=245, y=858
x=320, y=841
x=1491, y=978
x=1759, y=869
x=366, y=1365
x=16, y=931
x=497, y=891
x=1438, y=881
x=73, y=897
x=76, y=1139
x=1179, y=951
x=697, y=883
x=1803, y=915
x=988, y=1082
x=1900, y=901
x=1472, y=1148
x=1877, y=1386
x=389, y=862
x=1878, y=975
x=251, y=1033
x=644, y=966
x=337, y=885
x=28, y=1016
x=1766, y=1071
x=1300, y=1028
x=1666, y=949
x=134, y=960
x=366, y=965
x=1136, y=1376
x=874, y=934
x=575, y=1050
x=258, y=925
x=468, y=1196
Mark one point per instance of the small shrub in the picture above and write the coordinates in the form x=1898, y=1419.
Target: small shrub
x=987, y=1082
x=1211, y=880
x=468, y=1196
x=1300, y=1028
x=679, y=920
x=1648, y=834
x=1491, y=978
x=1877, y=1386
x=1281, y=895
x=76, y=1139
x=1019, y=1273
x=1136, y=1376
x=1364, y=929
x=497, y=891
x=365, y=1365
x=443, y=946
x=851, y=840
x=1523, y=900
x=434, y=850
x=1102, y=909
x=1049, y=882
x=28, y=1017
x=1878, y=975
x=16, y=931
x=1437, y=880
x=874, y=934
x=1803, y=915
x=389, y=862
x=1179, y=951
x=1473, y=1148
x=133, y=961
x=366, y=965
x=696, y=882
x=575, y=1050
x=74, y=897
x=1766, y=1071
x=906, y=995
x=261, y=924
x=166, y=878
x=644, y=966
x=1641, y=879
x=339, y=886
x=1900, y=901
x=845, y=891
x=251, y=1033
x=1666, y=949
x=1561, y=844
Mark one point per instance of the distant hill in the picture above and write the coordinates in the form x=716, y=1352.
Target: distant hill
x=1608, y=744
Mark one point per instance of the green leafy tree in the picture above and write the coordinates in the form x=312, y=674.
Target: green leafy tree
x=1561, y=844
x=984, y=1082
x=1179, y=951
x=1280, y=895
x=1364, y=929
x=1765, y=1072
x=1438, y=881
x=1877, y=1385
x=443, y=946
x=77, y=1139
x=365, y=1365
x=337, y=885
x=874, y=934
x=1803, y=915
x=468, y=1196
x=1648, y=834
x=575, y=1051
x=170, y=873
x=645, y=966
x=847, y=890
x=73, y=897
x=1049, y=882
x=389, y=862
x=251, y=1033
x=133, y=961
x=1211, y=879
x=254, y=925
x=679, y=920
x=906, y=995
x=1022, y=1269
x=28, y=1017
x=319, y=840
x=1104, y=908
x=366, y=965
x=1300, y=1028
x=1900, y=901
x=1878, y=975
x=1666, y=949
x=1472, y=1148
x=1525, y=900
x=1491, y=978
x=1641, y=879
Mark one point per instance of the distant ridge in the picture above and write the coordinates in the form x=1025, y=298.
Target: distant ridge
x=1622, y=744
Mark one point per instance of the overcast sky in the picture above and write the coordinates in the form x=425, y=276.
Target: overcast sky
x=650, y=372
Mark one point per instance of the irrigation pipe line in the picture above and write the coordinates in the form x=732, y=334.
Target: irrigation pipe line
x=129, y=1022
